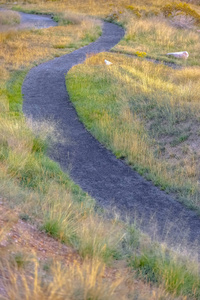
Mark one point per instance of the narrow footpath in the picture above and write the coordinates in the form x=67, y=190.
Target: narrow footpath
x=110, y=181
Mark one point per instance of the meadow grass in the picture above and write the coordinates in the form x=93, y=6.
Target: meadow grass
x=37, y=188
x=100, y=8
x=154, y=28
x=145, y=113
x=156, y=37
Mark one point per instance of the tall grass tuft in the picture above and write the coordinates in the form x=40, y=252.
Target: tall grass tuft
x=77, y=281
x=176, y=276
x=9, y=18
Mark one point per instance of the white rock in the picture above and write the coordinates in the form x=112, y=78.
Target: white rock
x=108, y=63
x=182, y=54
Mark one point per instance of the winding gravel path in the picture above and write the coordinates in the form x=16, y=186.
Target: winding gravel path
x=111, y=182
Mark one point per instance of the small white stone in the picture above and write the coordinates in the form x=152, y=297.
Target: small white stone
x=182, y=54
x=108, y=63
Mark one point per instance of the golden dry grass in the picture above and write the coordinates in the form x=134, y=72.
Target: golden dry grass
x=77, y=281
x=88, y=280
x=101, y=8
x=157, y=36
x=21, y=49
x=157, y=111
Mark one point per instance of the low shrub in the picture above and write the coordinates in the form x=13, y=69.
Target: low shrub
x=134, y=10
x=183, y=8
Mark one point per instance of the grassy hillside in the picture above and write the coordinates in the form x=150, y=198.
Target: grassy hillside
x=145, y=113
x=157, y=106
x=110, y=259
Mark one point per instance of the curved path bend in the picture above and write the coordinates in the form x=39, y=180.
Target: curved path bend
x=30, y=21
x=35, y=21
x=110, y=181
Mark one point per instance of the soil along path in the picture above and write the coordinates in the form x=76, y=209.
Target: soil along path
x=94, y=168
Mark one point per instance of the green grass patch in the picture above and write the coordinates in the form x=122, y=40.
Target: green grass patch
x=13, y=91
x=159, y=267
x=60, y=46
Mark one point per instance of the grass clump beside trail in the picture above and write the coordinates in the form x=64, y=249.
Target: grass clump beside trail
x=65, y=283
x=145, y=113
x=158, y=267
x=9, y=18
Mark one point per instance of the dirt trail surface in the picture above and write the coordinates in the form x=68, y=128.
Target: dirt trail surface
x=29, y=21
x=110, y=181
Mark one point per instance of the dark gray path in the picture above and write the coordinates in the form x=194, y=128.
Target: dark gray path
x=95, y=169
